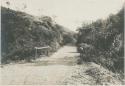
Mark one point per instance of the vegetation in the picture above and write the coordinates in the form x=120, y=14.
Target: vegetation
x=21, y=32
x=107, y=40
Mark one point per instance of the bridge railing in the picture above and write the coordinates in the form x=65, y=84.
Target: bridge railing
x=44, y=50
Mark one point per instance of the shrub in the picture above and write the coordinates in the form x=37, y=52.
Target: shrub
x=107, y=38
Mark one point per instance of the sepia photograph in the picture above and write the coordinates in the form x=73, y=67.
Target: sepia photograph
x=62, y=42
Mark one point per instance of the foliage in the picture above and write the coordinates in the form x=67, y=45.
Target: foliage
x=107, y=37
x=21, y=32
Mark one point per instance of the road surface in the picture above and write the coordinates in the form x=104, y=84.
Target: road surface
x=46, y=70
x=59, y=69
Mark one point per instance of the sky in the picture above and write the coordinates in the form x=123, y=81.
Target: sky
x=69, y=13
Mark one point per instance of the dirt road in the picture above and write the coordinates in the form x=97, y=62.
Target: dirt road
x=59, y=69
x=46, y=70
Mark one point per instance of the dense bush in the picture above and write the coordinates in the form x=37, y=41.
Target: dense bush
x=107, y=37
x=21, y=32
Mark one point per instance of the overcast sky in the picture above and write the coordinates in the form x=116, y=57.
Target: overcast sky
x=69, y=13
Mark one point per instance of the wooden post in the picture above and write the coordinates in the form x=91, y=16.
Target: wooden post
x=36, y=53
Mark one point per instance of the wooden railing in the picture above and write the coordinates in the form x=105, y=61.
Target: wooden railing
x=44, y=50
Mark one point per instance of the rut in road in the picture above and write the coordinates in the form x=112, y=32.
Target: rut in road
x=46, y=70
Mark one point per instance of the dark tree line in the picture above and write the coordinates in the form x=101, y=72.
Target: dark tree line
x=21, y=32
x=107, y=38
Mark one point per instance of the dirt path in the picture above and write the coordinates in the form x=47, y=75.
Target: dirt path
x=59, y=69
x=46, y=70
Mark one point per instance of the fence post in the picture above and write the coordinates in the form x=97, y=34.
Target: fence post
x=35, y=53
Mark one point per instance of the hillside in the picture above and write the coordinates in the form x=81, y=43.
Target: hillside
x=21, y=32
x=105, y=40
